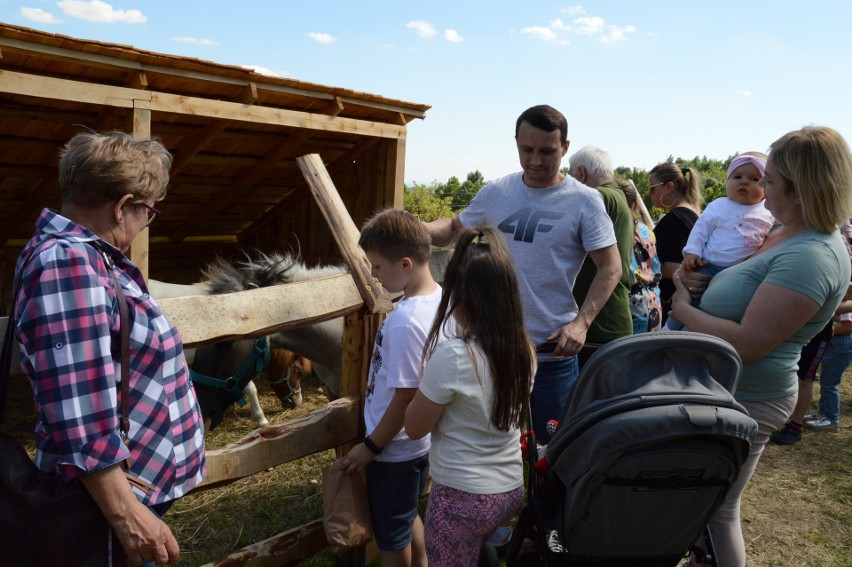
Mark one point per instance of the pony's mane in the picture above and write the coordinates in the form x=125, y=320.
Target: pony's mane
x=264, y=270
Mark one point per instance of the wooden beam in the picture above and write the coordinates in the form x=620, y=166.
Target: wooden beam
x=345, y=233
x=269, y=161
x=359, y=148
x=334, y=108
x=348, y=157
x=139, y=249
x=287, y=202
x=29, y=210
x=322, y=429
x=395, y=173
x=286, y=549
x=250, y=95
x=254, y=313
x=139, y=80
x=106, y=61
x=90, y=93
x=190, y=149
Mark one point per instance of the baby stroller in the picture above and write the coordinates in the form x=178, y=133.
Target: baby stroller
x=649, y=444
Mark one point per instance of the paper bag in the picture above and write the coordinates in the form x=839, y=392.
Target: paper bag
x=346, y=514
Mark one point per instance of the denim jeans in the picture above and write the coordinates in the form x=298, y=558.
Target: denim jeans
x=554, y=380
x=837, y=357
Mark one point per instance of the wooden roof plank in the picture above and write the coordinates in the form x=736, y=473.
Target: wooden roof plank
x=269, y=161
x=190, y=149
x=125, y=57
x=64, y=89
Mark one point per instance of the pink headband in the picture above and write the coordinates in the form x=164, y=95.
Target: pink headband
x=757, y=162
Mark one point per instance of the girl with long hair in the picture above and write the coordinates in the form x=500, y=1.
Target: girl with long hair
x=474, y=398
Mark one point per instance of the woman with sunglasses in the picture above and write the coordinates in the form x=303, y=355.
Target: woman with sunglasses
x=68, y=326
x=677, y=190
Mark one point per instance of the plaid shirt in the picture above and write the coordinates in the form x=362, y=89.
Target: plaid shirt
x=68, y=328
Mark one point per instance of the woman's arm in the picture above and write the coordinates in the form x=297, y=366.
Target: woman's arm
x=421, y=416
x=144, y=536
x=773, y=315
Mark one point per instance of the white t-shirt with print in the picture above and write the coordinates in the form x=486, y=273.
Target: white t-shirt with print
x=397, y=363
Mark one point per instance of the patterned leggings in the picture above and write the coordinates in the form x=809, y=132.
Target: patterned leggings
x=459, y=523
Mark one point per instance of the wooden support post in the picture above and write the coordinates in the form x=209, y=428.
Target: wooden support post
x=345, y=232
x=359, y=332
x=139, y=248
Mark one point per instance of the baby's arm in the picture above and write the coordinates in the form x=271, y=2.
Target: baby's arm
x=691, y=262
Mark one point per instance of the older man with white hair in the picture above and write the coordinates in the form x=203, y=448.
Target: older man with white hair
x=592, y=166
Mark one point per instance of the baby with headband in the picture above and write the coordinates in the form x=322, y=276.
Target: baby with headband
x=731, y=228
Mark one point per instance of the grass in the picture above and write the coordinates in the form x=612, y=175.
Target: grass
x=797, y=510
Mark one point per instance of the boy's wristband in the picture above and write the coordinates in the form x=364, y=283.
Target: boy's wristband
x=375, y=449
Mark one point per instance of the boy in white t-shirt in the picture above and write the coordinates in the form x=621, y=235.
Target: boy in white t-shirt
x=398, y=248
x=731, y=228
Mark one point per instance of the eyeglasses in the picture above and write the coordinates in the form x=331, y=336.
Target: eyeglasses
x=151, y=213
x=651, y=187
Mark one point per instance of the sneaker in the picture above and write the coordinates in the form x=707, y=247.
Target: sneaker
x=823, y=424
x=811, y=417
x=787, y=435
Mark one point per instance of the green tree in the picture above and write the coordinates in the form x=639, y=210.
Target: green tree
x=461, y=192
x=469, y=188
x=422, y=201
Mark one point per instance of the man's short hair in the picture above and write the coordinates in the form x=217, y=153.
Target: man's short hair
x=544, y=117
x=396, y=234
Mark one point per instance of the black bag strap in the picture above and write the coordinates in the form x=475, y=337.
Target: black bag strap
x=124, y=314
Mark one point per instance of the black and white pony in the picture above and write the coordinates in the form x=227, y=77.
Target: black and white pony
x=221, y=370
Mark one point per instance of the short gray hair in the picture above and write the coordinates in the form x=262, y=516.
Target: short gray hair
x=100, y=168
x=597, y=162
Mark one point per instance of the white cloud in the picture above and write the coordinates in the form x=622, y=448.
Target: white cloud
x=38, y=15
x=558, y=31
x=589, y=26
x=616, y=34
x=99, y=11
x=452, y=36
x=323, y=38
x=744, y=93
x=423, y=29
x=573, y=10
x=544, y=34
x=195, y=40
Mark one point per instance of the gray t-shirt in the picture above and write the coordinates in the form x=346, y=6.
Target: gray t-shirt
x=549, y=232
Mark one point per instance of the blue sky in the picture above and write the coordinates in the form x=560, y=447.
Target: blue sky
x=642, y=80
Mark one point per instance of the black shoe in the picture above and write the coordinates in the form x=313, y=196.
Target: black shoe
x=787, y=435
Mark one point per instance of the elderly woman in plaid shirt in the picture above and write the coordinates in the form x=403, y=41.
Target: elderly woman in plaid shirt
x=68, y=329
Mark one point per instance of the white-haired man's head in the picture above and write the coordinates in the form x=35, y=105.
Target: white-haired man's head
x=591, y=166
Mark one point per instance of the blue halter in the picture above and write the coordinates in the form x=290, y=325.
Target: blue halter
x=256, y=361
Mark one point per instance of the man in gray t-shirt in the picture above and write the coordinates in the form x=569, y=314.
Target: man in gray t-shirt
x=551, y=222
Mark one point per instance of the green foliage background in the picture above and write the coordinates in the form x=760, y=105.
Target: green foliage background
x=444, y=200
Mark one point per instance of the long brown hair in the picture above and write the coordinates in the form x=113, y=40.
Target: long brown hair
x=481, y=289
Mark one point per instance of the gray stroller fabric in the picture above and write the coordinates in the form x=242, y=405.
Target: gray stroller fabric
x=648, y=446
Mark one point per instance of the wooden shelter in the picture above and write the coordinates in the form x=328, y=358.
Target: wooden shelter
x=234, y=134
